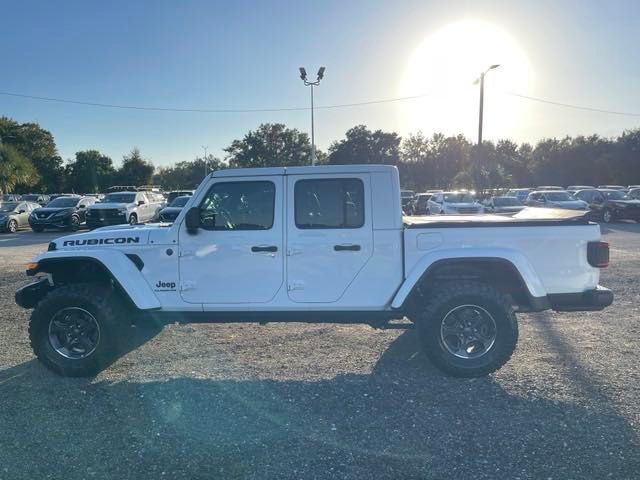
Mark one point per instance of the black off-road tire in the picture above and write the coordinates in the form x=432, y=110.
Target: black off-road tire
x=446, y=297
x=106, y=308
x=133, y=219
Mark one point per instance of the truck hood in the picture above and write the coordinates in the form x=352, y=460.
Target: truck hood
x=462, y=205
x=108, y=237
x=110, y=206
x=571, y=205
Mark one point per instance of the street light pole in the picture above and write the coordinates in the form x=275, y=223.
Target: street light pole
x=303, y=76
x=206, y=170
x=481, y=81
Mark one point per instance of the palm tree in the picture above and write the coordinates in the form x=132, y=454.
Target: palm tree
x=14, y=169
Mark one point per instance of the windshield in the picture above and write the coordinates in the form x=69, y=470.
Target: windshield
x=63, y=202
x=559, y=196
x=8, y=206
x=506, y=202
x=615, y=195
x=180, y=202
x=119, y=198
x=458, y=198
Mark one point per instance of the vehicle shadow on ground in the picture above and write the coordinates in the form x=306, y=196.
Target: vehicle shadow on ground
x=404, y=420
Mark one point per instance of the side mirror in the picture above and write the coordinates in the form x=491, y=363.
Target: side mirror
x=140, y=202
x=192, y=220
x=21, y=211
x=81, y=206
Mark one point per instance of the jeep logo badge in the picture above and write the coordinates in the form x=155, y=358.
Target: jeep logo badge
x=165, y=286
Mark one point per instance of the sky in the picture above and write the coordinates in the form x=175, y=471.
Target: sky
x=246, y=54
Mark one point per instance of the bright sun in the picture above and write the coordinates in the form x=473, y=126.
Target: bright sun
x=445, y=66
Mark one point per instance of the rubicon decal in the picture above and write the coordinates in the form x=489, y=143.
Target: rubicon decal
x=100, y=241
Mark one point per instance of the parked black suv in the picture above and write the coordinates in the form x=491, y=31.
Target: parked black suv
x=609, y=205
x=67, y=212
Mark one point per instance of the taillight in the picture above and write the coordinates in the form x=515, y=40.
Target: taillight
x=598, y=254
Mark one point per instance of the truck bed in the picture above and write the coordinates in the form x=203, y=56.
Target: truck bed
x=529, y=217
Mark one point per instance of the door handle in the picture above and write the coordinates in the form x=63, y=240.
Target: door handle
x=346, y=248
x=264, y=248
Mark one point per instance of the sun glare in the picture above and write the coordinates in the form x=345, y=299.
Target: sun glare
x=445, y=67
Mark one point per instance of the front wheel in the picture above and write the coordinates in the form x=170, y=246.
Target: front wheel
x=468, y=329
x=133, y=219
x=76, y=329
x=607, y=216
x=12, y=226
x=74, y=223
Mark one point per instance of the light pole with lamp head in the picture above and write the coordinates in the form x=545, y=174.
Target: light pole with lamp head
x=303, y=76
x=481, y=81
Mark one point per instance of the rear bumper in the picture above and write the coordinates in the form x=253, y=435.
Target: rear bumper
x=588, y=301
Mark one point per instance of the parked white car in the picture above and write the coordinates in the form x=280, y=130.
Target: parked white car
x=454, y=203
x=125, y=207
x=555, y=199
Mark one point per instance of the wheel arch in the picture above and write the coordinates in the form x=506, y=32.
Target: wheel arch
x=513, y=276
x=116, y=268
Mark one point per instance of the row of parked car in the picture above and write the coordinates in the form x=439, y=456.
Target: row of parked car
x=72, y=212
x=605, y=203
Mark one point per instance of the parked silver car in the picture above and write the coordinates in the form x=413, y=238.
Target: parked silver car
x=15, y=215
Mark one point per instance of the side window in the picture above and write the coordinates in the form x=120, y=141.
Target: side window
x=238, y=206
x=329, y=203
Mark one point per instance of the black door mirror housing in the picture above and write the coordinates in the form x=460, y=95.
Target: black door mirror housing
x=192, y=220
x=140, y=202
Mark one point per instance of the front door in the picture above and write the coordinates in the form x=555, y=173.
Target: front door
x=330, y=235
x=236, y=257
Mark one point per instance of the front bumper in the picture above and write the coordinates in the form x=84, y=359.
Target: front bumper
x=29, y=295
x=95, y=221
x=50, y=223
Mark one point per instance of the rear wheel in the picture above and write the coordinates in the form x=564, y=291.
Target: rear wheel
x=76, y=330
x=12, y=226
x=468, y=329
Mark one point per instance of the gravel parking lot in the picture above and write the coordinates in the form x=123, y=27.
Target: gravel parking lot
x=325, y=401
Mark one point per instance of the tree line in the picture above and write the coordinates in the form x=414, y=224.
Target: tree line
x=29, y=160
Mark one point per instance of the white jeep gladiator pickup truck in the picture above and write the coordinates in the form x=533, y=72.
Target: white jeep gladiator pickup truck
x=313, y=244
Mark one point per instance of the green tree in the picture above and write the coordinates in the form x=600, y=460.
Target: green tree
x=90, y=172
x=270, y=145
x=38, y=146
x=361, y=145
x=186, y=174
x=14, y=169
x=135, y=170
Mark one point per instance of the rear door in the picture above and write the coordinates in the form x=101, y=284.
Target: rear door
x=329, y=236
